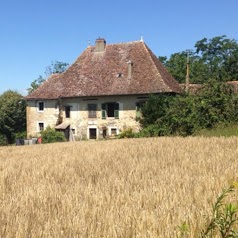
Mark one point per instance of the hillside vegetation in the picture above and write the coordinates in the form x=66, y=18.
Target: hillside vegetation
x=119, y=188
x=223, y=130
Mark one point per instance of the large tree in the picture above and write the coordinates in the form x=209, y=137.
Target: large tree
x=220, y=54
x=56, y=67
x=12, y=115
x=212, y=59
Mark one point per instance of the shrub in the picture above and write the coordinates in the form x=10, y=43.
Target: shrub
x=21, y=135
x=128, y=133
x=50, y=135
x=152, y=130
x=183, y=115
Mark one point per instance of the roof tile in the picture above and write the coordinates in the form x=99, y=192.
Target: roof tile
x=97, y=74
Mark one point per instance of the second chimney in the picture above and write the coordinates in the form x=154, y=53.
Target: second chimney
x=100, y=45
x=129, y=63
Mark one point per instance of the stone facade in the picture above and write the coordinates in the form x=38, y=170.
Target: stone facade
x=81, y=122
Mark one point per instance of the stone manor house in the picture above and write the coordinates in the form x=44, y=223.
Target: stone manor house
x=100, y=94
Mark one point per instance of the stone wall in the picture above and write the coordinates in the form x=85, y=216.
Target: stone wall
x=79, y=120
x=48, y=116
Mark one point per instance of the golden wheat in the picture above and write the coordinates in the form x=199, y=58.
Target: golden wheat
x=118, y=188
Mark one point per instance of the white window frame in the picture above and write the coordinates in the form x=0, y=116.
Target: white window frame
x=38, y=126
x=110, y=130
x=38, y=106
x=94, y=111
x=92, y=127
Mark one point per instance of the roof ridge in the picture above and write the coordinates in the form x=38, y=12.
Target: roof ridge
x=125, y=43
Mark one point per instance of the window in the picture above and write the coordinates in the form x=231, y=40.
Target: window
x=119, y=75
x=110, y=110
x=41, y=106
x=41, y=126
x=113, y=131
x=92, y=110
x=67, y=111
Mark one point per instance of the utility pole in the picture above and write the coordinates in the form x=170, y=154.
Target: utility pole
x=187, y=75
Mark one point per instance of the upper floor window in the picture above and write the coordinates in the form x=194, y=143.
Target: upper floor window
x=41, y=106
x=110, y=110
x=92, y=110
x=67, y=111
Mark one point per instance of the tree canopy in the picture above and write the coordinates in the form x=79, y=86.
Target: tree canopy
x=56, y=67
x=212, y=59
x=185, y=114
x=12, y=116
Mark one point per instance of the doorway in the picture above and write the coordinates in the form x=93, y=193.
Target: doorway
x=92, y=133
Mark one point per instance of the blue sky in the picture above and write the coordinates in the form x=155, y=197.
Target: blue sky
x=35, y=33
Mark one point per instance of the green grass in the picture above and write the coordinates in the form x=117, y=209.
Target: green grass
x=222, y=130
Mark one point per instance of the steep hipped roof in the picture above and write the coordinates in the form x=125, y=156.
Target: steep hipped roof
x=50, y=89
x=106, y=73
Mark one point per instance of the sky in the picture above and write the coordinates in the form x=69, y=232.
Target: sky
x=35, y=33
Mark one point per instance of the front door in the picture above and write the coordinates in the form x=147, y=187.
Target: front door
x=93, y=133
x=66, y=133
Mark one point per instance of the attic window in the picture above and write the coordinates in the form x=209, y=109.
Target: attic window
x=119, y=75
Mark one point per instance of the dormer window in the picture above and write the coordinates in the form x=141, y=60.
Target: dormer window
x=119, y=75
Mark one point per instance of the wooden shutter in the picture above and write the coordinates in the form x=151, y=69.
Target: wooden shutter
x=116, y=111
x=104, y=112
x=116, y=114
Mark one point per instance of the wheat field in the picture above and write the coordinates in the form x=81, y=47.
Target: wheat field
x=119, y=188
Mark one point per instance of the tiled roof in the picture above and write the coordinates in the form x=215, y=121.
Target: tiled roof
x=193, y=88
x=196, y=88
x=106, y=73
x=50, y=89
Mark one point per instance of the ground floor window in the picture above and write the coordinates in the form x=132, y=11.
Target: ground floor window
x=113, y=131
x=41, y=126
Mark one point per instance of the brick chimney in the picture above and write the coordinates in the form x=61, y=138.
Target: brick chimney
x=100, y=45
